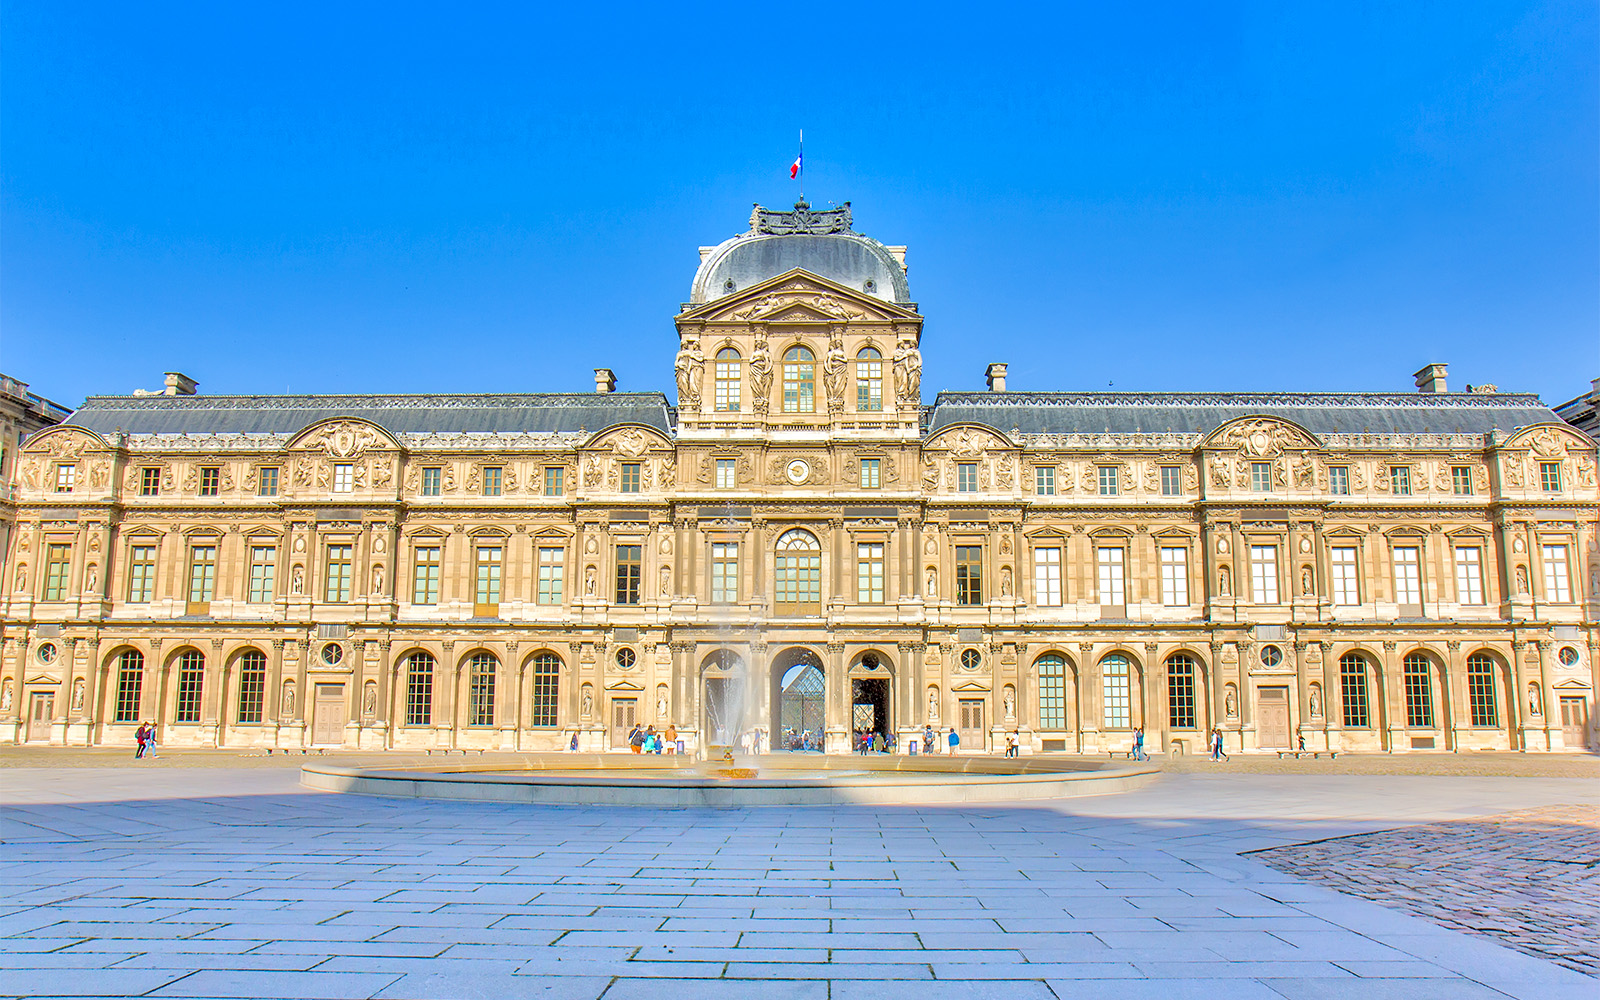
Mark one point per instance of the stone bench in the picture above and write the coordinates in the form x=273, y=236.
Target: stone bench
x=1313, y=754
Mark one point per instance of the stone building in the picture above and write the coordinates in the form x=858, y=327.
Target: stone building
x=803, y=546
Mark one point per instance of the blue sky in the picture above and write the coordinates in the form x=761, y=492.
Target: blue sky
x=476, y=197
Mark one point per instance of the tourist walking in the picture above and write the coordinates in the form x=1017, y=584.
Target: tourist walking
x=877, y=742
x=1138, y=744
x=955, y=741
x=140, y=736
x=1011, y=744
x=636, y=739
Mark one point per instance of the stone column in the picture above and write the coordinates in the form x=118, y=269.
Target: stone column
x=837, y=718
x=1456, y=695
x=1154, y=689
x=1393, y=695
x=214, y=711
x=444, y=697
x=1091, y=712
x=1551, y=705
x=1217, y=687
x=1332, y=700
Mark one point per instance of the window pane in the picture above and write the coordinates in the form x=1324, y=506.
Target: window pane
x=1469, y=575
x=1110, y=576
x=263, y=560
x=141, y=573
x=1175, y=577
x=1115, y=690
x=554, y=481
x=724, y=572
x=1052, y=692
x=1419, y=692
x=1044, y=481
x=1047, y=577
x=1108, y=480
x=799, y=381
x=202, y=572
x=1550, y=476
x=1400, y=480
x=1264, y=573
x=1556, y=586
x=869, y=473
x=480, y=690
x=252, y=685
x=1171, y=481
x=1339, y=480
x=967, y=477
x=1407, y=576
x=546, y=689
x=869, y=573
x=1481, y=698
x=58, y=560
x=727, y=381
x=1353, y=691
x=191, y=679
x=552, y=570
x=1261, y=477
x=338, y=589
x=1346, y=591
x=425, y=588
x=430, y=482
x=969, y=574
x=489, y=575
x=629, y=572
x=727, y=474
x=1461, y=480
x=1180, y=692
x=130, y=684
x=419, y=690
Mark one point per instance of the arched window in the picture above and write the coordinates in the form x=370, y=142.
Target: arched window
x=1052, y=691
x=1353, y=691
x=799, y=380
x=191, y=683
x=546, y=689
x=727, y=390
x=1480, y=690
x=869, y=380
x=1419, y=691
x=1114, y=687
x=480, y=689
x=798, y=567
x=252, y=684
x=419, y=689
x=130, y=684
x=1180, y=691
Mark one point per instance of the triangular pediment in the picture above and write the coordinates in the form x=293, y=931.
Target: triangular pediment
x=970, y=684
x=797, y=296
x=624, y=685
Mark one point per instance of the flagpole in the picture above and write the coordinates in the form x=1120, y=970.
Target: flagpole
x=802, y=164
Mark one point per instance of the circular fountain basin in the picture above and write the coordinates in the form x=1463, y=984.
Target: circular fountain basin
x=780, y=780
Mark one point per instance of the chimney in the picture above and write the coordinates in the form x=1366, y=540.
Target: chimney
x=1594, y=391
x=179, y=384
x=604, y=381
x=996, y=374
x=1431, y=378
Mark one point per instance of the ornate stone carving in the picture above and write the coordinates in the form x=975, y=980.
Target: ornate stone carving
x=802, y=221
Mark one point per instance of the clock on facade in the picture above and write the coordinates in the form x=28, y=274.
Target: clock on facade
x=798, y=471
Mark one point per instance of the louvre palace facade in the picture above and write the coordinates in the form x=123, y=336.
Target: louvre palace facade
x=796, y=542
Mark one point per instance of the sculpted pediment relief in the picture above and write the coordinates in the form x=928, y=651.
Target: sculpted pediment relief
x=343, y=438
x=1549, y=441
x=1262, y=437
x=65, y=442
x=629, y=442
x=969, y=442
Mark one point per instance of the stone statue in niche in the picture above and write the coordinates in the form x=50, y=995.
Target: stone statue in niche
x=91, y=579
x=1522, y=579
x=369, y=700
x=933, y=584
x=22, y=577
x=661, y=704
x=1010, y=702
x=288, y=700
x=907, y=366
x=77, y=695
x=1316, y=702
x=586, y=704
x=933, y=703
x=666, y=582
x=297, y=581
x=834, y=373
x=590, y=577
x=761, y=377
x=5, y=696
x=1305, y=580
x=1222, y=581
x=1005, y=581
x=377, y=579
x=1535, y=702
x=1231, y=703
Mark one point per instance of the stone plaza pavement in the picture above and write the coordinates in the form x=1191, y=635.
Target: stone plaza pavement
x=210, y=882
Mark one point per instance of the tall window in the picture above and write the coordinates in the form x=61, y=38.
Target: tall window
x=1047, y=577
x=552, y=575
x=724, y=572
x=191, y=679
x=493, y=480
x=1264, y=573
x=202, y=572
x=727, y=473
x=1171, y=481
x=630, y=477
x=58, y=561
x=149, y=482
x=554, y=481
x=546, y=689
x=798, y=570
x=1339, y=480
x=869, y=573
x=252, y=684
x=425, y=578
x=489, y=565
x=66, y=478
x=210, y=481
x=1346, y=580
x=1461, y=480
x=1550, y=477
x=419, y=689
x=1180, y=691
x=431, y=480
x=1175, y=576
x=343, y=477
x=1052, y=692
x=1419, y=691
x=1108, y=480
x=1481, y=700
x=130, y=682
x=869, y=380
x=480, y=689
x=267, y=482
x=340, y=559
x=630, y=571
x=966, y=477
x=1109, y=566
x=1400, y=480
x=726, y=398
x=1044, y=480
x=799, y=380
x=1557, y=588
x=1407, y=575
x=141, y=573
x=1353, y=691
x=1469, y=574
x=871, y=469
x=1261, y=477
x=263, y=566
x=969, y=574
x=1115, y=688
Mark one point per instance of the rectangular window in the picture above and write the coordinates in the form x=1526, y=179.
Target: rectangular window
x=1469, y=575
x=210, y=481
x=66, y=478
x=555, y=481
x=630, y=477
x=58, y=561
x=552, y=575
x=969, y=574
x=1261, y=477
x=1044, y=481
x=149, y=482
x=1481, y=700
x=1461, y=480
x=869, y=382
x=267, y=482
x=724, y=572
x=1353, y=692
x=727, y=473
x=967, y=477
x=430, y=481
x=1108, y=480
x=344, y=477
x=1047, y=577
x=1400, y=480
x=1339, y=480
x=425, y=576
x=340, y=558
x=202, y=572
x=263, y=567
x=727, y=379
x=1556, y=587
x=870, y=469
x=1264, y=573
x=630, y=571
x=1171, y=481
x=141, y=574
x=1175, y=576
x=492, y=479
x=489, y=563
x=1346, y=579
x=1407, y=575
x=130, y=682
x=1550, y=477
x=869, y=573
x=1109, y=577
x=1052, y=692
x=419, y=691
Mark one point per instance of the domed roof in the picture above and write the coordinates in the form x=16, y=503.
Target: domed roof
x=820, y=242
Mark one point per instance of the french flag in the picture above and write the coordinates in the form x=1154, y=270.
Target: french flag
x=794, y=168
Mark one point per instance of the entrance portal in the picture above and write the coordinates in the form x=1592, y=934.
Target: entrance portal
x=869, y=706
x=327, y=727
x=801, y=715
x=1272, y=705
x=43, y=709
x=1574, y=720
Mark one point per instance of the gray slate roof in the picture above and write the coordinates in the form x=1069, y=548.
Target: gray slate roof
x=511, y=413
x=1204, y=412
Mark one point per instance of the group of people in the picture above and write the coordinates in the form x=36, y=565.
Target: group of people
x=872, y=741
x=145, y=737
x=1214, y=741
x=645, y=739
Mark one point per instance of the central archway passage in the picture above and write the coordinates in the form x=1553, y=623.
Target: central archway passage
x=800, y=702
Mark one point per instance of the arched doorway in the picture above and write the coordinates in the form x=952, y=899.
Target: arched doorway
x=800, y=699
x=871, y=697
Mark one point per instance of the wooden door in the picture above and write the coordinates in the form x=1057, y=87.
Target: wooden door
x=39, y=715
x=1273, y=718
x=624, y=712
x=973, y=736
x=1574, y=721
x=327, y=726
